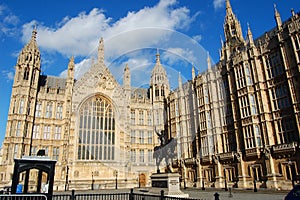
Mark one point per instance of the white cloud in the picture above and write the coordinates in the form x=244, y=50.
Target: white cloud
x=79, y=35
x=174, y=55
x=151, y=27
x=80, y=67
x=198, y=38
x=76, y=36
x=219, y=4
x=8, y=22
x=9, y=75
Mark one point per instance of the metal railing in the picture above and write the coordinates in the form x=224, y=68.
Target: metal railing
x=117, y=196
x=93, y=196
x=23, y=197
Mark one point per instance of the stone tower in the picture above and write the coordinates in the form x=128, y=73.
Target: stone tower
x=24, y=94
x=159, y=90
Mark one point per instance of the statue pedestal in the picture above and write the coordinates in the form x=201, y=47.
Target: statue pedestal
x=169, y=182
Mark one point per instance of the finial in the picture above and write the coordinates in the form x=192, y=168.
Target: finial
x=228, y=7
x=157, y=56
x=101, y=51
x=71, y=63
x=293, y=12
x=208, y=61
x=34, y=32
x=126, y=67
x=179, y=80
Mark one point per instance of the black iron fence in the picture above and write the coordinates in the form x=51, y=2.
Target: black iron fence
x=94, y=196
x=23, y=197
x=117, y=196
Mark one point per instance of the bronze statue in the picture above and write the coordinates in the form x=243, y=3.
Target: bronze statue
x=166, y=150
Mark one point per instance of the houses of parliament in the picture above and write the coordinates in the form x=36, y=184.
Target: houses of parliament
x=236, y=124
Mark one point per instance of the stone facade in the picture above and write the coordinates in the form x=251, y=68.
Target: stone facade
x=241, y=125
x=236, y=124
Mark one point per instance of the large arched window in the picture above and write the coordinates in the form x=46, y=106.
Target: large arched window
x=96, y=130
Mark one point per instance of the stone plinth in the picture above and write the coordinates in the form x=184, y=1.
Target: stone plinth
x=169, y=182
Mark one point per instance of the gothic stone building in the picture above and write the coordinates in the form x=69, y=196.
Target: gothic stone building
x=236, y=124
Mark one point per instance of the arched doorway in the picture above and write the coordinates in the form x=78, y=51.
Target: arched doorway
x=142, y=180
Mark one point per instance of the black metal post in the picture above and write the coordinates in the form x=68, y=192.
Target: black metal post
x=73, y=195
x=92, y=186
x=67, y=177
x=162, y=194
x=203, y=186
x=254, y=184
x=131, y=194
x=116, y=180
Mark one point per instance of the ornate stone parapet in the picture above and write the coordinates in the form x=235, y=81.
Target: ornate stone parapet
x=284, y=149
x=254, y=152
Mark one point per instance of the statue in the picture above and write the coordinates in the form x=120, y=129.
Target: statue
x=162, y=137
x=166, y=150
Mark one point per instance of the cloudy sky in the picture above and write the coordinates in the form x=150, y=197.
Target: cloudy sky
x=184, y=32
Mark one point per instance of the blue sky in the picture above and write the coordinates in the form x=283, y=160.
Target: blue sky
x=182, y=30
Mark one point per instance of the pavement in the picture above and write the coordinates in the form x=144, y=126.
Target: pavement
x=207, y=194
x=235, y=194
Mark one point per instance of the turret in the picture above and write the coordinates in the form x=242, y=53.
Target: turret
x=70, y=77
x=277, y=17
x=159, y=91
x=193, y=73
x=126, y=79
x=250, y=37
x=28, y=64
x=208, y=62
x=159, y=82
x=23, y=98
x=101, y=51
x=232, y=29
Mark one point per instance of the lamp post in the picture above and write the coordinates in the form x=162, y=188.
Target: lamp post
x=116, y=175
x=254, y=184
x=92, y=186
x=67, y=177
x=226, y=189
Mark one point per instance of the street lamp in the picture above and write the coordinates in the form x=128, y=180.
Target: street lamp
x=92, y=186
x=67, y=177
x=254, y=184
x=226, y=189
x=116, y=175
x=203, y=186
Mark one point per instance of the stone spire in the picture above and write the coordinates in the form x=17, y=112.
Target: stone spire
x=126, y=79
x=159, y=74
x=71, y=68
x=101, y=51
x=208, y=62
x=250, y=36
x=30, y=53
x=193, y=72
x=232, y=27
x=179, y=81
x=159, y=78
x=228, y=8
x=157, y=57
x=277, y=17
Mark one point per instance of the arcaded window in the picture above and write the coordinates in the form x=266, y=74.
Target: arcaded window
x=96, y=131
